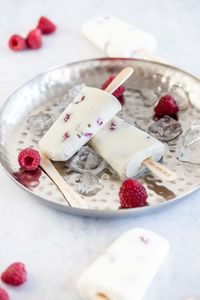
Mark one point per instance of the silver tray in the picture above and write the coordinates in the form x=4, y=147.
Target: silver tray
x=43, y=93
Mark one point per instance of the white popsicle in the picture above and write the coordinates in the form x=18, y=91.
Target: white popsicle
x=117, y=38
x=80, y=121
x=125, y=147
x=126, y=269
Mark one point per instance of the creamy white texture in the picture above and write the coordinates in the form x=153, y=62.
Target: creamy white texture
x=80, y=121
x=127, y=268
x=125, y=147
x=117, y=38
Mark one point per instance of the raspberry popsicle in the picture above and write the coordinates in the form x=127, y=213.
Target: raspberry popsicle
x=126, y=269
x=125, y=147
x=79, y=122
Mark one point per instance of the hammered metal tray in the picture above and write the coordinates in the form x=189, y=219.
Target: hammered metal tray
x=43, y=93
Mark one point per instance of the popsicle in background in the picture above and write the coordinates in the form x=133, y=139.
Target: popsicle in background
x=117, y=38
x=125, y=147
x=126, y=269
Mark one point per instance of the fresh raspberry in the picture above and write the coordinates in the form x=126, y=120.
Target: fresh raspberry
x=132, y=194
x=15, y=274
x=166, y=106
x=3, y=294
x=46, y=26
x=29, y=159
x=17, y=43
x=34, y=39
x=118, y=93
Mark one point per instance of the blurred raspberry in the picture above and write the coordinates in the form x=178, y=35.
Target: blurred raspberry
x=17, y=43
x=15, y=274
x=46, y=26
x=34, y=39
x=3, y=294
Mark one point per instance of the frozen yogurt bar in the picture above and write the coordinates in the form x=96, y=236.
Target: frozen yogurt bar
x=81, y=120
x=125, y=147
x=117, y=38
x=126, y=269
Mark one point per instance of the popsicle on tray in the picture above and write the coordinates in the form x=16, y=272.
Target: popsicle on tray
x=126, y=269
x=125, y=147
x=80, y=121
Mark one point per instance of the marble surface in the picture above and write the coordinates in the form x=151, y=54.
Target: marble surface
x=57, y=247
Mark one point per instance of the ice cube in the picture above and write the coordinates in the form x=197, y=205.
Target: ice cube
x=89, y=184
x=165, y=129
x=148, y=96
x=40, y=123
x=86, y=160
x=181, y=96
x=195, y=124
x=188, y=150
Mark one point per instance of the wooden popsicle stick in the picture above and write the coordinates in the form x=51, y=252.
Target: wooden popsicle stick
x=119, y=79
x=68, y=192
x=159, y=170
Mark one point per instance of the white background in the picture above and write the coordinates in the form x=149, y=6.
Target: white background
x=57, y=247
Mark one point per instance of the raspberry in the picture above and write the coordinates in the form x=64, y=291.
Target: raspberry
x=3, y=294
x=29, y=159
x=119, y=91
x=132, y=194
x=34, y=39
x=46, y=26
x=166, y=106
x=17, y=43
x=15, y=274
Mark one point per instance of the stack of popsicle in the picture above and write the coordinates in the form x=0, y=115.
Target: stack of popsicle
x=91, y=116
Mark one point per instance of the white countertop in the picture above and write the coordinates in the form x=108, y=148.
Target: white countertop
x=57, y=247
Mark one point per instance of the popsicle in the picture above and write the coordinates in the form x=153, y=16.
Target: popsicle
x=125, y=147
x=117, y=38
x=126, y=269
x=78, y=123
x=82, y=119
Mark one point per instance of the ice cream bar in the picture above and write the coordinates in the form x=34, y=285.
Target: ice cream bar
x=126, y=269
x=79, y=122
x=117, y=38
x=125, y=147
